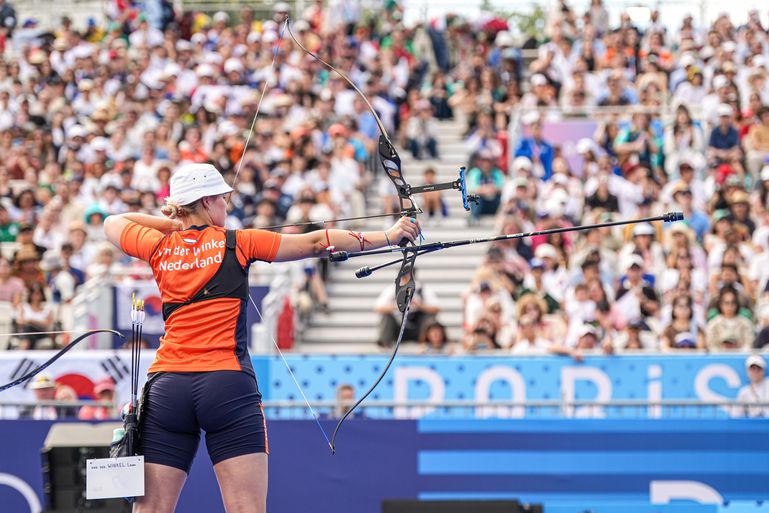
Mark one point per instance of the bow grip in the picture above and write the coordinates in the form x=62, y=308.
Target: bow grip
x=403, y=295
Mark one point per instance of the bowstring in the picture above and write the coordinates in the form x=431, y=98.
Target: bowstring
x=379, y=380
x=275, y=53
x=379, y=123
x=293, y=376
x=403, y=197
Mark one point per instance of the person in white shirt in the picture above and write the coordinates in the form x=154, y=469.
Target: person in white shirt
x=424, y=307
x=45, y=390
x=529, y=339
x=753, y=398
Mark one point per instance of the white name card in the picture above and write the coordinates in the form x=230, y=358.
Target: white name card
x=113, y=478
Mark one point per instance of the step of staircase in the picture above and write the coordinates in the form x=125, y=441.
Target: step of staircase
x=351, y=324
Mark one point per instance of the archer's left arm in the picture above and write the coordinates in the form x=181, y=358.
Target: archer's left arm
x=314, y=244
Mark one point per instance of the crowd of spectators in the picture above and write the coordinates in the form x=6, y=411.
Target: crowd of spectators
x=95, y=119
x=683, y=119
x=52, y=401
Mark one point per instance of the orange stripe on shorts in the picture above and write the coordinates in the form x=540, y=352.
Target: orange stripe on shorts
x=264, y=420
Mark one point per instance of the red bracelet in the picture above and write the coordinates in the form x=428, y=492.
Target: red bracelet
x=360, y=237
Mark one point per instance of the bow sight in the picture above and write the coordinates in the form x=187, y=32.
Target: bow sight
x=459, y=184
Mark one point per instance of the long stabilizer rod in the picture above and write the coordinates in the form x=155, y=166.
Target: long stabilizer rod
x=340, y=256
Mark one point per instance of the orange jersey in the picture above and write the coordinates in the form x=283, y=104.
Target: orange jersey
x=203, y=286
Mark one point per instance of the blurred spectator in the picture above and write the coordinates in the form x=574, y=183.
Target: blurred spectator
x=482, y=336
x=617, y=93
x=728, y=330
x=25, y=242
x=435, y=340
x=683, y=200
x=635, y=337
x=549, y=327
x=81, y=251
x=757, y=144
x=8, y=23
x=486, y=180
x=45, y=390
x=61, y=282
x=636, y=296
x=420, y=132
x=692, y=91
x=753, y=397
x=27, y=266
x=588, y=339
x=554, y=278
x=439, y=91
x=683, y=330
x=486, y=139
x=762, y=339
x=103, y=262
x=536, y=149
x=8, y=229
x=66, y=394
x=580, y=310
x=724, y=141
x=499, y=278
x=35, y=314
x=639, y=145
x=345, y=399
x=684, y=144
x=11, y=287
x=643, y=244
x=528, y=340
x=104, y=392
x=433, y=202
x=602, y=199
x=534, y=283
x=425, y=306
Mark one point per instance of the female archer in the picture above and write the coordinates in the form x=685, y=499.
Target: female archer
x=202, y=378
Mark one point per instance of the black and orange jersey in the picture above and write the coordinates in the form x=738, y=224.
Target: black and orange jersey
x=203, y=286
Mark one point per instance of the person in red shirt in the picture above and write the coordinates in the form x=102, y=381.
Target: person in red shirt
x=104, y=391
x=202, y=378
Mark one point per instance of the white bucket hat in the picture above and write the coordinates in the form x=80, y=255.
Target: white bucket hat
x=194, y=181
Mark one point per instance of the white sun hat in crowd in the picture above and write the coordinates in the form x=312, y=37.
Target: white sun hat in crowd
x=755, y=359
x=194, y=181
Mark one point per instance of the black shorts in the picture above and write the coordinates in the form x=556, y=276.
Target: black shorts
x=226, y=405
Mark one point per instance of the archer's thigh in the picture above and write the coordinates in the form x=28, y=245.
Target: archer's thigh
x=243, y=482
x=162, y=487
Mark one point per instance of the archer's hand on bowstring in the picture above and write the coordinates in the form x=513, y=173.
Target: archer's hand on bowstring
x=405, y=228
